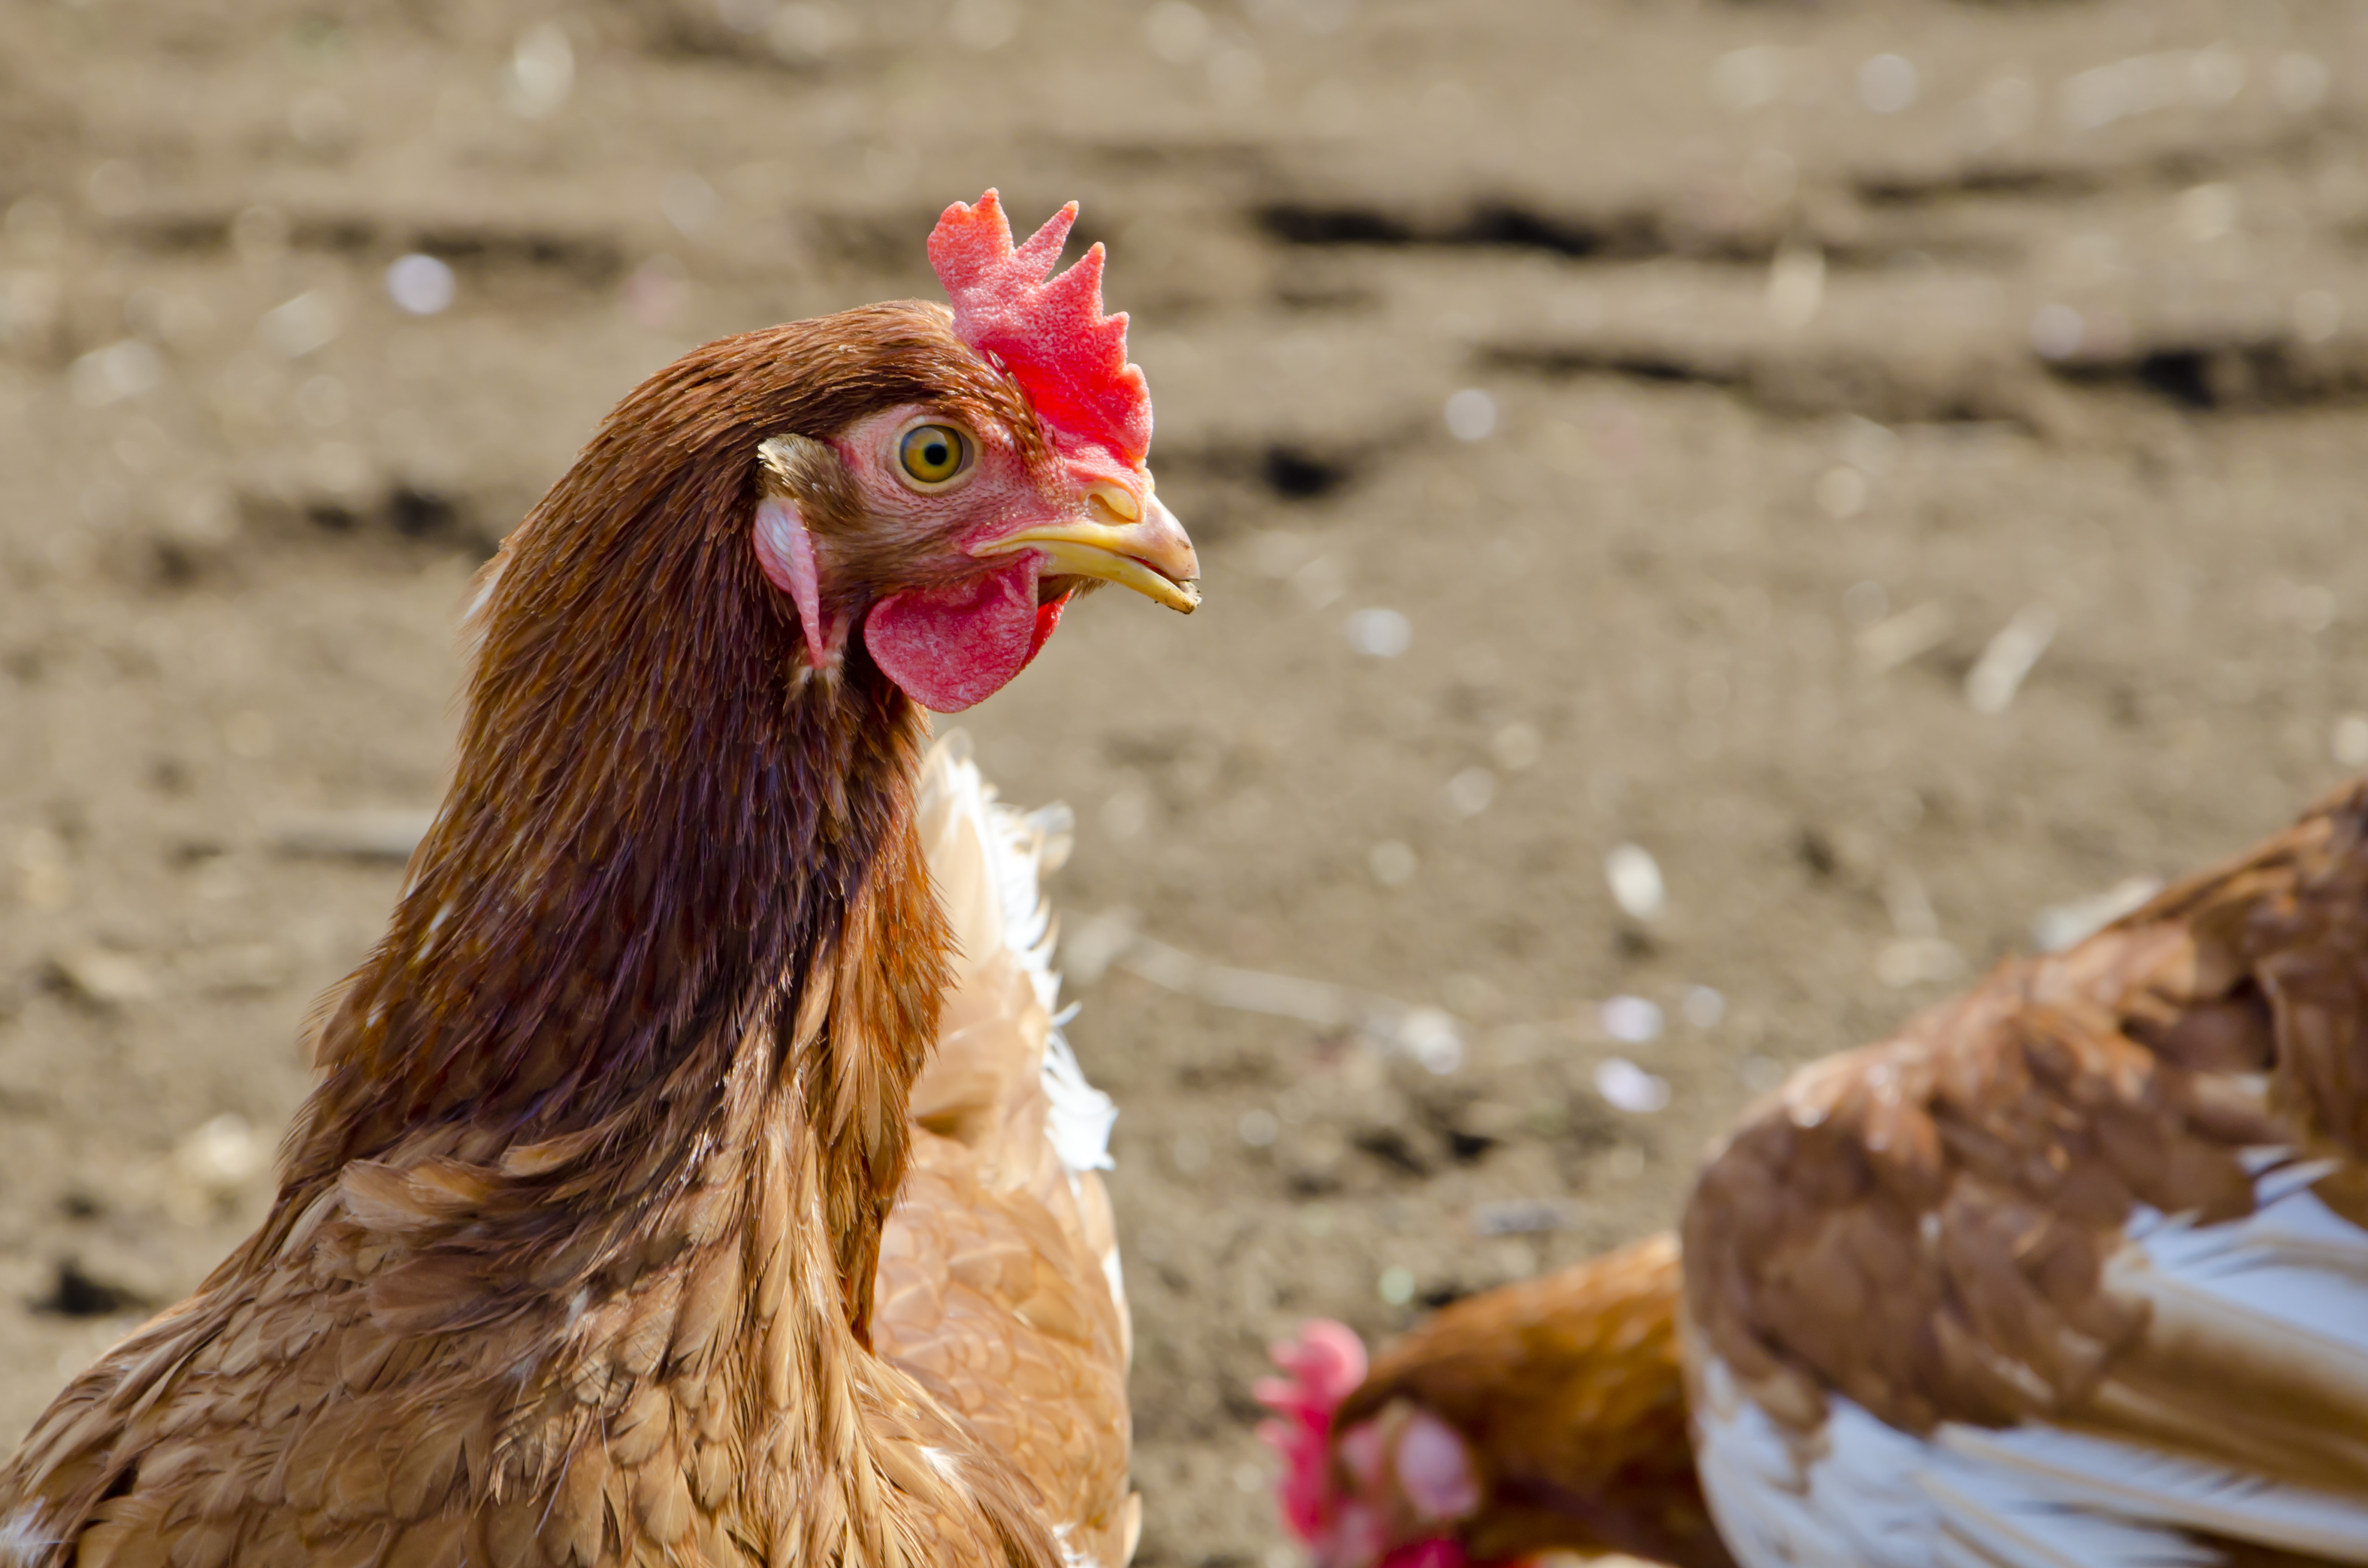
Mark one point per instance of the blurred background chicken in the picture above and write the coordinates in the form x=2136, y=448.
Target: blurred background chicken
x=580, y=1252
x=2072, y=1271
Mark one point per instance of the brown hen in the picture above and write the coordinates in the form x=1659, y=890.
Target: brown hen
x=583, y=1250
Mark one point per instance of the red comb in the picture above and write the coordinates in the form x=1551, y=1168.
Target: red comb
x=1048, y=330
x=1324, y=1366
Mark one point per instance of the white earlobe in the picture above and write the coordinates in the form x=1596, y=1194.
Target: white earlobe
x=785, y=551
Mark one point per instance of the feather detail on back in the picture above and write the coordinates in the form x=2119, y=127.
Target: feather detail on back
x=2074, y=1271
x=999, y=1286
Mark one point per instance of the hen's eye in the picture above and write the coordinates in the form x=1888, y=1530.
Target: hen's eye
x=932, y=454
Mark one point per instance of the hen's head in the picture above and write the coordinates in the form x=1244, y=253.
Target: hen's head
x=1387, y=1492
x=900, y=487
x=1545, y=1415
x=690, y=739
x=997, y=466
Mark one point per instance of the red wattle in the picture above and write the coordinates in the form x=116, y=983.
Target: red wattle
x=1048, y=616
x=949, y=648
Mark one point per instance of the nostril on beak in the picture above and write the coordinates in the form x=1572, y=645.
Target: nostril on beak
x=1115, y=499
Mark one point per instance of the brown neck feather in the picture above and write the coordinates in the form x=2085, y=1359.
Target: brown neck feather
x=661, y=824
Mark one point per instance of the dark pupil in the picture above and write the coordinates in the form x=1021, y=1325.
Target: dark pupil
x=934, y=454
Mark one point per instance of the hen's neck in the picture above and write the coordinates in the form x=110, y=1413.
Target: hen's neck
x=672, y=867
x=628, y=890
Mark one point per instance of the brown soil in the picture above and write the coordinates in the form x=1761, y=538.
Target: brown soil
x=1765, y=373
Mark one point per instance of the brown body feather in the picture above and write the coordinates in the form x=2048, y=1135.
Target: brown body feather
x=573, y=1257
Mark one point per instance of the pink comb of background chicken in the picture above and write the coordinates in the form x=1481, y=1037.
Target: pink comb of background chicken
x=1048, y=331
x=1321, y=1367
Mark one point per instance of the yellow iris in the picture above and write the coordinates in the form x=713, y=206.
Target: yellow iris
x=932, y=454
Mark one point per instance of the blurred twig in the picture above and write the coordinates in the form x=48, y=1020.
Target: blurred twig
x=382, y=834
x=1094, y=944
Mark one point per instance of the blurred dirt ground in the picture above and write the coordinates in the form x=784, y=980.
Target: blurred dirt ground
x=1897, y=466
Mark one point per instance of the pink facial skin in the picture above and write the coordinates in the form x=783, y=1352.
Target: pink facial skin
x=962, y=625
x=1434, y=1469
x=1409, y=1483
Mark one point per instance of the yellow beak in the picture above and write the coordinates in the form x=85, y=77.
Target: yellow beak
x=1151, y=554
